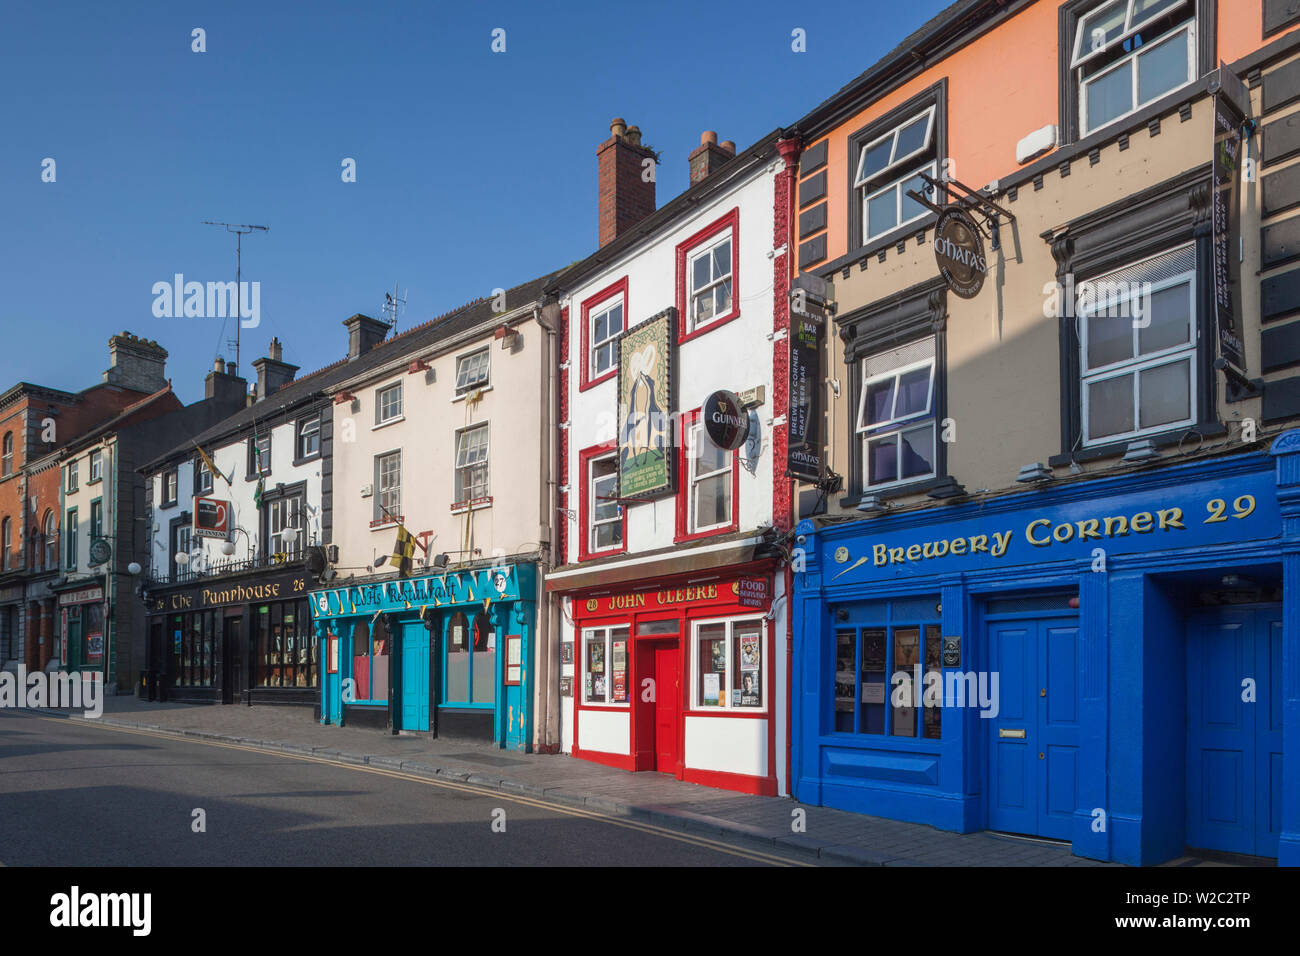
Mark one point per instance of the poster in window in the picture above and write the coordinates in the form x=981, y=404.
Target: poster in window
x=597, y=652
x=588, y=685
x=618, y=671
x=599, y=686
x=712, y=687
x=719, y=655
x=873, y=652
x=645, y=401
x=750, y=681
x=749, y=652
x=95, y=647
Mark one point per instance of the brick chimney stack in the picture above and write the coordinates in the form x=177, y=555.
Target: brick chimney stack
x=136, y=363
x=626, y=182
x=709, y=156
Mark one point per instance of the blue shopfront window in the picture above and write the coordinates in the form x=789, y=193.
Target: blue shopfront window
x=370, y=659
x=881, y=663
x=470, y=660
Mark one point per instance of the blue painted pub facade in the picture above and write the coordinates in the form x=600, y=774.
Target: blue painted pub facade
x=444, y=654
x=1113, y=662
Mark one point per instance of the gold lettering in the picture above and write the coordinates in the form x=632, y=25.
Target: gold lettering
x=1119, y=522
x=1171, y=518
x=1029, y=532
x=713, y=591
x=1088, y=529
x=879, y=555
x=640, y=600
x=895, y=555
x=979, y=543
x=931, y=549
x=914, y=552
x=1142, y=522
x=1063, y=532
x=958, y=546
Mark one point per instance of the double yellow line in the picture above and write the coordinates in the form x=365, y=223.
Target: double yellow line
x=757, y=856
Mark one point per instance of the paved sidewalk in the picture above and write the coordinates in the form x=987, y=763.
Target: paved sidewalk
x=835, y=836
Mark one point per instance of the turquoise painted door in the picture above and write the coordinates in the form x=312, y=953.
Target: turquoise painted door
x=1034, y=739
x=331, y=683
x=1234, y=730
x=415, y=677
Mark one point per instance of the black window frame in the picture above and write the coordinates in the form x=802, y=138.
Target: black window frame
x=916, y=313
x=255, y=455
x=299, y=457
x=1154, y=221
x=935, y=96
x=1206, y=19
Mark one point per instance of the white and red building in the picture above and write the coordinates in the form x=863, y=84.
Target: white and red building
x=670, y=579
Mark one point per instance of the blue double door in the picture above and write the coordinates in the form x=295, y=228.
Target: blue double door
x=1033, y=742
x=1234, y=730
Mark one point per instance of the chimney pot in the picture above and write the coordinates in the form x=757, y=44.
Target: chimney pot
x=617, y=127
x=729, y=146
x=708, y=156
x=634, y=135
x=219, y=365
x=708, y=136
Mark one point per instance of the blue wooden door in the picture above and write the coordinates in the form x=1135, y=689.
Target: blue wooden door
x=1234, y=742
x=1034, y=740
x=415, y=677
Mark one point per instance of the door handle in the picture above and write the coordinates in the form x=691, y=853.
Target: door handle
x=1042, y=692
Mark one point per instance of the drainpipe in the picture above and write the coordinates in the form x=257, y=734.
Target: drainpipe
x=546, y=704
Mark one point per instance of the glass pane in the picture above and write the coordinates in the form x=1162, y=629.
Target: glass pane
x=882, y=460
x=458, y=659
x=608, y=535
x=1145, y=9
x=931, y=717
x=912, y=208
x=918, y=451
x=1166, y=394
x=722, y=298
x=873, y=688
x=882, y=212
x=1110, y=96
x=747, y=683
x=844, y=682
x=1103, y=27
x=713, y=501
x=1110, y=339
x=880, y=401
x=600, y=329
x=485, y=660
x=644, y=628
x=722, y=259
x=875, y=159
x=704, y=306
x=616, y=320
x=709, y=457
x=1110, y=407
x=711, y=663
x=700, y=272
x=1162, y=68
x=596, y=677
x=618, y=667
x=906, y=648
x=912, y=137
x=913, y=392
x=1170, y=318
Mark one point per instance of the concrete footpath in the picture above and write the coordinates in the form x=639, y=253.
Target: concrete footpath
x=831, y=835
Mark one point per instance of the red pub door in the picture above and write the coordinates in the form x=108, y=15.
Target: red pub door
x=668, y=705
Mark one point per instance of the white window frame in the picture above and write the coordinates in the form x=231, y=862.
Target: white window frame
x=696, y=436
x=386, y=410
x=71, y=532
x=592, y=521
x=606, y=635
x=280, y=512
x=51, y=540
x=610, y=342
x=1080, y=57
x=861, y=180
x=1132, y=58
x=303, y=428
x=72, y=479
x=467, y=365
x=1139, y=362
x=202, y=478
x=393, y=493
x=256, y=453
x=171, y=486
x=96, y=466
x=725, y=237
x=896, y=425
x=461, y=465
x=733, y=651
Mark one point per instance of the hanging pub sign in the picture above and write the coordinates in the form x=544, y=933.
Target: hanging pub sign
x=645, y=379
x=211, y=518
x=725, y=420
x=1226, y=218
x=959, y=251
x=804, y=415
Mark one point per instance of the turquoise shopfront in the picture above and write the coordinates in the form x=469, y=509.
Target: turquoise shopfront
x=446, y=654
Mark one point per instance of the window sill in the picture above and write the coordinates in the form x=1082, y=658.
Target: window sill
x=603, y=377
x=705, y=329
x=1117, y=449
x=385, y=423
x=748, y=713
x=711, y=533
x=253, y=476
x=93, y=481
x=461, y=396
x=918, y=487
x=477, y=504
x=383, y=524
x=165, y=504
x=602, y=553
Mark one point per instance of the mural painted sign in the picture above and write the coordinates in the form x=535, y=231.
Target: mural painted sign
x=645, y=441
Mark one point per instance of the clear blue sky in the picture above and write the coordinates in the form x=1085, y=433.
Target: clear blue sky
x=474, y=169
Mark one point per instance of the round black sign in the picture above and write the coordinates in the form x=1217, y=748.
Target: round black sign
x=959, y=250
x=100, y=551
x=725, y=420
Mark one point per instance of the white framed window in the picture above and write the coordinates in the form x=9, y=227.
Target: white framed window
x=1138, y=335
x=202, y=478
x=170, y=482
x=709, y=274
x=709, y=482
x=7, y=455
x=259, y=455
x=896, y=415
x=606, y=531
x=471, y=464
x=72, y=475
x=286, y=526
x=727, y=665
x=388, y=403
x=96, y=465
x=471, y=371
x=388, y=487
x=889, y=167
x=605, y=673
x=1128, y=53
x=606, y=326
x=308, y=437
x=51, y=541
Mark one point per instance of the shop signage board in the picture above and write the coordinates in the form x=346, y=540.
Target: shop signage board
x=645, y=400
x=959, y=252
x=725, y=420
x=223, y=594
x=1204, y=514
x=211, y=518
x=1226, y=221
x=713, y=592
x=83, y=596
x=457, y=588
x=804, y=415
x=753, y=592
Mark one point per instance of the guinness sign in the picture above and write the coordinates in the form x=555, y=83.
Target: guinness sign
x=725, y=420
x=959, y=250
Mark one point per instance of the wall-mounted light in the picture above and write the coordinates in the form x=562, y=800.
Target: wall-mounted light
x=134, y=569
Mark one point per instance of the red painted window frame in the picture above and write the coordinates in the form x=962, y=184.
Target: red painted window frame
x=604, y=295
x=684, y=248
x=585, y=458
x=688, y=421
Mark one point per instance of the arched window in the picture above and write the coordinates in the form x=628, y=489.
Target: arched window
x=6, y=534
x=7, y=457
x=51, y=541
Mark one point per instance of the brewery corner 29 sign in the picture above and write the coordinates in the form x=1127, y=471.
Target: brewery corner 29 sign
x=959, y=251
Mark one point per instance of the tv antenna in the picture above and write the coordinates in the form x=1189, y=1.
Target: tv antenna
x=393, y=305
x=240, y=230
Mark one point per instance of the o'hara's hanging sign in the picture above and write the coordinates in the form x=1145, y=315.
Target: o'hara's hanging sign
x=431, y=591
x=959, y=251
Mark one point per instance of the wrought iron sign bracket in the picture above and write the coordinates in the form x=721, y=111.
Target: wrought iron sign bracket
x=986, y=214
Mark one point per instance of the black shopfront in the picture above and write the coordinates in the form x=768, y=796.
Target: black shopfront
x=243, y=638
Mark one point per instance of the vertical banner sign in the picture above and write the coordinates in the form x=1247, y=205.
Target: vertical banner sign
x=645, y=441
x=803, y=418
x=1226, y=210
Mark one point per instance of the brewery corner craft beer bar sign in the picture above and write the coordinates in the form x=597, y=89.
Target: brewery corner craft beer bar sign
x=959, y=251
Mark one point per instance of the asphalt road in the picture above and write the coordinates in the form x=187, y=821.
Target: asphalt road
x=73, y=794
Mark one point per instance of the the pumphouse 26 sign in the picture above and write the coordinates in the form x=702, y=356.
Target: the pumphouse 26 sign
x=959, y=251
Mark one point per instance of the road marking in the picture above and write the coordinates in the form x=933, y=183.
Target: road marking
x=649, y=828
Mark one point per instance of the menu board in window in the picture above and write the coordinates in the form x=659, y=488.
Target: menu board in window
x=618, y=671
x=514, y=663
